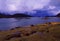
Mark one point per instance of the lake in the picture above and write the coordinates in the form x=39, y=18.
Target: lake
x=8, y=23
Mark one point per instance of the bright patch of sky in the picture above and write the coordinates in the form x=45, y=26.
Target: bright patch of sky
x=23, y=4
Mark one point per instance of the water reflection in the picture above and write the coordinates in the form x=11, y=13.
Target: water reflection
x=7, y=23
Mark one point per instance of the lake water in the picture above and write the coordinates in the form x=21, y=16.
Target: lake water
x=7, y=23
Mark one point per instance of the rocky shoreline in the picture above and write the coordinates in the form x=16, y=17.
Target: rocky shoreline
x=41, y=32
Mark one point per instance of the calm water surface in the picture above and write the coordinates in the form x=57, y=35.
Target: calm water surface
x=7, y=23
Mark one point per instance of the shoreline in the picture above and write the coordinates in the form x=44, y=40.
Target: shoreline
x=40, y=32
x=45, y=24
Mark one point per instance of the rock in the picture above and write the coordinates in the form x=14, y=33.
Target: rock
x=33, y=32
x=17, y=34
x=32, y=25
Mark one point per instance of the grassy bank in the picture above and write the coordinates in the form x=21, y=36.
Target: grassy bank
x=41, y=32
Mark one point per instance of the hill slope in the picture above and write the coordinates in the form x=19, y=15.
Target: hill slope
x=13, y=16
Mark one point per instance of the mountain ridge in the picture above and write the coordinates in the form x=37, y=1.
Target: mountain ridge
x=14, y=16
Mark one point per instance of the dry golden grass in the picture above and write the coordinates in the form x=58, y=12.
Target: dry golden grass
x=40, y=32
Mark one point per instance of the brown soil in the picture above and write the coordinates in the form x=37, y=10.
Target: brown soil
x=41, y=32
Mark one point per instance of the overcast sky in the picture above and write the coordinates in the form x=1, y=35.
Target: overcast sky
x=29, y=5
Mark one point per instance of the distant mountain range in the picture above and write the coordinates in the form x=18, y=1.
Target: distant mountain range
x=39, y=13
x=58, y=15
x=14, y=16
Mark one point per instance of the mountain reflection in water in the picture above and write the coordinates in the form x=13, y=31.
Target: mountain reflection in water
x=7, y=23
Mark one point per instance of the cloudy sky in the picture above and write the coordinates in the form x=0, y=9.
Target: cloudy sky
x=30, y=5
